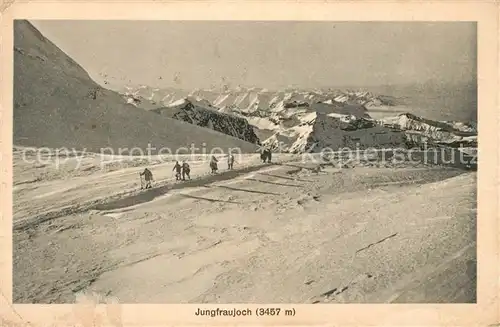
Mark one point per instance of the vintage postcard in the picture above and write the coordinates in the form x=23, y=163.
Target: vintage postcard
x=253, y=163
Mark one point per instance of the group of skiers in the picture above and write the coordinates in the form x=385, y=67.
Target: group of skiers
x=183, y=170
x=214, y=167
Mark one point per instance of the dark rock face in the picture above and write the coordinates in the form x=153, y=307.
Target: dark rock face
x=210, y=118
x=357, y=123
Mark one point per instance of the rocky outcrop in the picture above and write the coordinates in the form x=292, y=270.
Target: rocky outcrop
x=203, y=115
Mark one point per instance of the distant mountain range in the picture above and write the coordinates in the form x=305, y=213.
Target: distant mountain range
x=250, y=99
x=298, y=121
x=57, y=104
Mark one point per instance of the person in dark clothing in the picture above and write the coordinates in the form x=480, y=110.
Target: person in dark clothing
x=263, y=156
x=185, y=171
x=213, y=165
x=266, y=155
x=230, y=161
x=178, y=169
x=148, y=177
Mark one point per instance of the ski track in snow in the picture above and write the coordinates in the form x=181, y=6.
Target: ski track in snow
x=223, y=235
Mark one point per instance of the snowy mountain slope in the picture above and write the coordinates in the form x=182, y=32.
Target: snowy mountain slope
x=291, y=126
x=218, y=229
x=57, y=104
x=335, y=131
x=202, y=114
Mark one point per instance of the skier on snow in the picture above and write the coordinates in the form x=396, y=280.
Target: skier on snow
x=178, y=170
x=230, y=161
x=266, y=155
x=213, y=165
x=148, y=177
x=185, y=170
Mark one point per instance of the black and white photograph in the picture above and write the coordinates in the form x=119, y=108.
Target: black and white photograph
x=219, y=161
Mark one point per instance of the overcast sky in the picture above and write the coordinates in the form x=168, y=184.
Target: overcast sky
x=268, y=54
